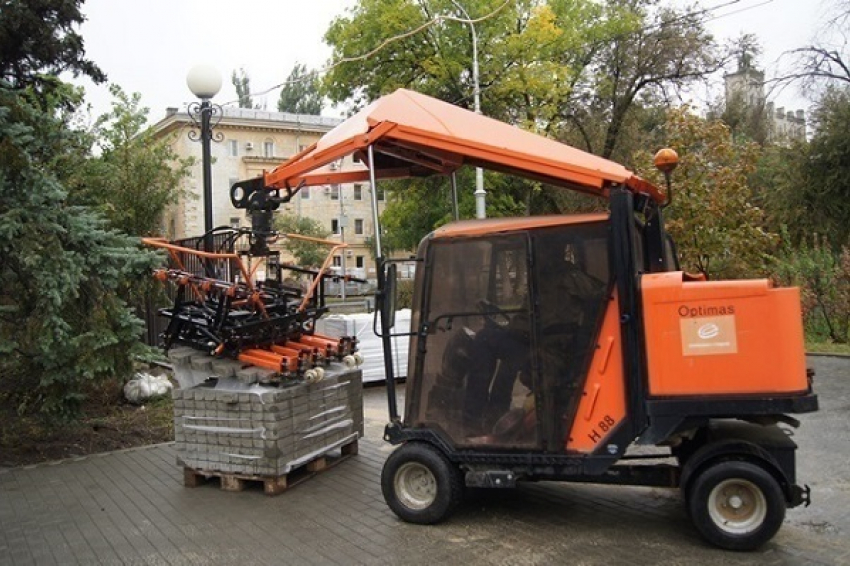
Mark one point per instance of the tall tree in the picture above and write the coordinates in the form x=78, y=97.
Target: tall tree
x=38, y=42
x=242, y=83
x=300, y=92
x=813, y=176
x=664, y=50
x=134, y=177
x=529, y=54
x=826, y=169
x=524, y=47
x=63, y=325
x=718, y=228
x=307, y=254
x=574, y=69
x=804, y=185
x=826, y=60
x=586, y=72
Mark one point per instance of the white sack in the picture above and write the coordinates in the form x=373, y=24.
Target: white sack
x=145, y=386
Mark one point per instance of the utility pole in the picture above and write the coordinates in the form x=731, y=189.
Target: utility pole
x=480, y=193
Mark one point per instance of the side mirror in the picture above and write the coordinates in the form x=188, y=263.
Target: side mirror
x=389, y=298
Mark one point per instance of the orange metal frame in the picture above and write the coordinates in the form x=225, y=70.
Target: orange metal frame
x=420, y=131
x=292, y=355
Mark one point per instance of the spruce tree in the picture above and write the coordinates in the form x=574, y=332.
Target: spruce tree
x=63, y=325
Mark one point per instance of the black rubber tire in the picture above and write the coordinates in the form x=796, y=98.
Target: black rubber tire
x=420, y=485
x=746, y=510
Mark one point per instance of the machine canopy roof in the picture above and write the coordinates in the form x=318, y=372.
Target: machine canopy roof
x=414, y=135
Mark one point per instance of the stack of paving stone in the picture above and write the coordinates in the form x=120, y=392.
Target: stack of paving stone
x=225, y=425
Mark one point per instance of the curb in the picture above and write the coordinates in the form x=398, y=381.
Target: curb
x=84, y=457
x=828, y=355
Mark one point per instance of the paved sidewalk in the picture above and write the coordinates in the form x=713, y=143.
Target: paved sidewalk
x=130, y=507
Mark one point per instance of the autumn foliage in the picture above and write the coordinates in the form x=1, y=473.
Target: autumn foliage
x=717, y=227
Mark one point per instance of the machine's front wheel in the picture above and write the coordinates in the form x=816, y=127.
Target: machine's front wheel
x=736, y=505
x=420, y=485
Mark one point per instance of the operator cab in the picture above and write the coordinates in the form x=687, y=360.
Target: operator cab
x=512, y=310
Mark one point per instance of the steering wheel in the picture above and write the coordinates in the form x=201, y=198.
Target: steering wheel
x=493, y=314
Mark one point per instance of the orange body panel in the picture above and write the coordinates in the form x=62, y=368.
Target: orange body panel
x=722, y=337
x=603, y=401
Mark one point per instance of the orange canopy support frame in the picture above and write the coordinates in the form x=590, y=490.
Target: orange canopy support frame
x=414, y=135
x=335, y=246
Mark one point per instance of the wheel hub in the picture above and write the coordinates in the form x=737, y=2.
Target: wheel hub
x=737, y=506
x=735, y=502
x=415, y=485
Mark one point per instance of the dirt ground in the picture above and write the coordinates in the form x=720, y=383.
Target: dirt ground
x=108, y=423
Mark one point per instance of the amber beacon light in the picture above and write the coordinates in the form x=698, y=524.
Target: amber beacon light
x=666, y=160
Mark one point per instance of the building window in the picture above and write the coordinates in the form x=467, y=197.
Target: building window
x=380, y=193
x=305, y=193
x=335, y=225
x=302, y=147
x=334, y=192
x=233, y=148
x=337, y=261
x=359, y=261
x=358, y=226
x=268, y=148
x=358, y=191
x=234, y=222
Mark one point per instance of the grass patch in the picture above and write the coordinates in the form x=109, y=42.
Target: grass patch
x=826, y=347
x=108, y=423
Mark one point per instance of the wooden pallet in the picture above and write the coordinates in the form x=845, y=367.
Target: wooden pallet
x=272, y=485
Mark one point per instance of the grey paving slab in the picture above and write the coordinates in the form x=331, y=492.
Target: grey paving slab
x=131, y=507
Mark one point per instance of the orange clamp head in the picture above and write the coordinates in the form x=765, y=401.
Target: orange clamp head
x=160, y=275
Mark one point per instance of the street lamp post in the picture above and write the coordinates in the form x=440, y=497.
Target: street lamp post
x=205, y=81
x=343, y=221
x=480, y=193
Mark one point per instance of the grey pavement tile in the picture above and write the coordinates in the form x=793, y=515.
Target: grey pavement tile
x=131, y=507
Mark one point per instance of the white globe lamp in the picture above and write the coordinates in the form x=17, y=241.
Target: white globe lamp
x=204, y=81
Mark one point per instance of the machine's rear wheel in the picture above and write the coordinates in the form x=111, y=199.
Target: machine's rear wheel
x=420, y=485
x=736, y=505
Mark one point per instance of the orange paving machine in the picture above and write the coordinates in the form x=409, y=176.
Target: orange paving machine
x=570, y=348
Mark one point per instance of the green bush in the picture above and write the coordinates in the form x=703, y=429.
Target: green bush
x=404, y=297
x=824, y=280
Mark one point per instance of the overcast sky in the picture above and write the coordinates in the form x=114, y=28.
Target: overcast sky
x=148, y=46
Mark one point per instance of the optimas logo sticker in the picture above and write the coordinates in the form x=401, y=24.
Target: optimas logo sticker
x=709, y=336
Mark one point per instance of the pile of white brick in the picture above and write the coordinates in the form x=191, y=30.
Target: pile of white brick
x=227, y=426
x=370, y=346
